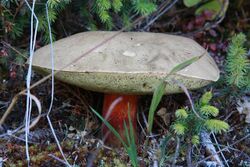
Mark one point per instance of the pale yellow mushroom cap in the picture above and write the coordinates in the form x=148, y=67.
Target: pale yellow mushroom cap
x=130, y=63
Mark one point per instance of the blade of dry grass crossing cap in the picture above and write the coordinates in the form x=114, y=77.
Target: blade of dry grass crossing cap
x=183, y=65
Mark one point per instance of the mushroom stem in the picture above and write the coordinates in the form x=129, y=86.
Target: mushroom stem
x=115, y=110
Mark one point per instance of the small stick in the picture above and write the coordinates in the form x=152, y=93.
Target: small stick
x=177, y=149
x=13, y=102
x=224, y=149
x=58, y=159
x=189, y=154
x=210, y=149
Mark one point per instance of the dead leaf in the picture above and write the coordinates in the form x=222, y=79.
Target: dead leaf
x=244, y=107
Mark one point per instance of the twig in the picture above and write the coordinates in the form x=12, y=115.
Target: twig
x=218, y=146
x=224, y=149
x=206, y=141
x=20, y=5
x=5, y=37
x=14, y=49
x=189, y=155
x=21, y=139
x=177, y=150
x=13, y=102
x=143, y=131
x=2, y=161
x=160, y=14
x=4, y=104
x=20, y=128
x=58, y=159
x=185, y=90
x=9, y=109
x=230, y=114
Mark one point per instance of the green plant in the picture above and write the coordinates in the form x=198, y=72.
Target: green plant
x=163, y=157
x=15, y=17
x=113, y=13
x=217, y=7
x=189, y=125
x=237, y=64
x=129, y=144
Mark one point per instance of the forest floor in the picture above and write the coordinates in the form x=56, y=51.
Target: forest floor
x=79, y=130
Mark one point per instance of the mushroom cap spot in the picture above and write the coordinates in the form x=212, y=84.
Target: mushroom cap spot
x=131, y=62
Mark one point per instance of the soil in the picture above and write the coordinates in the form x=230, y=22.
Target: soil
x=78, y=130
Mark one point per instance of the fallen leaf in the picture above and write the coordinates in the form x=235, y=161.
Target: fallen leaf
x=244, y=107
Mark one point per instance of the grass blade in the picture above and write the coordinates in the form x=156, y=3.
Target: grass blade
x=183, y=65
x=132, y=145
x=110, y=127
x=157, y=96
x=126, y=133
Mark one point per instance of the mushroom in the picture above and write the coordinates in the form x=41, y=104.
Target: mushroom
x=129, y=65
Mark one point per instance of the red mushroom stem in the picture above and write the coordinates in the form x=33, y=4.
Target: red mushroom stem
x=115, y=110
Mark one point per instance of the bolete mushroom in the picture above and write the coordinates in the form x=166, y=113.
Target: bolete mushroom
x=131, y=64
